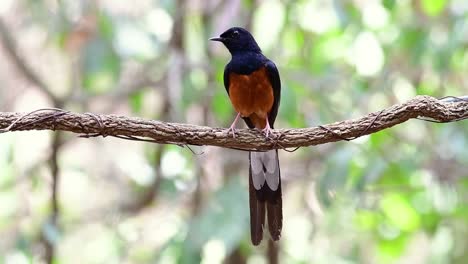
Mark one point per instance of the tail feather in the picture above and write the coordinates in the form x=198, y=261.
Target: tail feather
x=264, y=200
x=275, y=215
x=257, y=214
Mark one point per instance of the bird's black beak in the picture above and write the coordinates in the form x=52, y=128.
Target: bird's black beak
x=217, y=39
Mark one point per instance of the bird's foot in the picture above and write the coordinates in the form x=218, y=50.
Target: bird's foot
x=267, y=131
x=232, y=130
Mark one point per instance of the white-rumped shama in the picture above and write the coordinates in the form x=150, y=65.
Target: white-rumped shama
x=253, y=84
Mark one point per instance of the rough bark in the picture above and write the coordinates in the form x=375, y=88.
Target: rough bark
x=91, y=125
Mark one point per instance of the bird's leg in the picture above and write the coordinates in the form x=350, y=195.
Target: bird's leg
x=267, y=130
x=233, y=126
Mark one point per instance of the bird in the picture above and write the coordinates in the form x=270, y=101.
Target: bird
x=253, y=84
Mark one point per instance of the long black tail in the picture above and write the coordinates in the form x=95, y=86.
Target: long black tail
x=265, y=195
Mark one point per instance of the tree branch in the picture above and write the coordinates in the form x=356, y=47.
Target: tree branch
x=92, y=125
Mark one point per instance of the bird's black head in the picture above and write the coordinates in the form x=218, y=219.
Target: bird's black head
x=237, y=39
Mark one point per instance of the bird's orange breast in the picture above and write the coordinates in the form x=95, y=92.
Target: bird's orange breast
x=252, y=95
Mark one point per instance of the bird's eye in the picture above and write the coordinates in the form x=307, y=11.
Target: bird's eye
x=235, y=33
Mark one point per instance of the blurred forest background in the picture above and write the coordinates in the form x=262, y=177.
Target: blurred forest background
x=397, y=196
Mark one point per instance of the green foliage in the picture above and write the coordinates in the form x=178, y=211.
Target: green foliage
x=136, y=102
x=101, y=64
x=433, y=7
x=224, y=220
x=396, y=196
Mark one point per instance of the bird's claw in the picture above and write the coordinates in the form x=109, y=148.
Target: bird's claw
x=267, y=131
x=232, y=130
x=233, y=127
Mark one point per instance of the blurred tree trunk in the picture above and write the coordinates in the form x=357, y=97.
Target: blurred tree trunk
x=272, y=252
x=236, y=257
x=51, y=228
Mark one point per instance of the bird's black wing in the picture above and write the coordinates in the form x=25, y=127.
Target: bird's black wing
x=227, y=71
x=275, y=81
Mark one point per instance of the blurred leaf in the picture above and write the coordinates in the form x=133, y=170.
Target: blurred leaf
x=399, y=212
x=172, y=251
x=169, y=188
x=106, y=26
x=136, y=101
x=361, y=85
x=414, y=41
x=195, y=89
x=294, y=43
x=7, y=174
x=367, y=220
x=288, y=108
x=396, y=175
x=430, y=221
x=459, y=60
x=103, y=247
x=427, y=88
x=356, y=179
x=433, y=7
x=335, y=176
x=389, y=4
x=225, y=219
x=101, y=66
x=222, y=108
x=326, y=48
x=8, y=207
x=389, y=250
